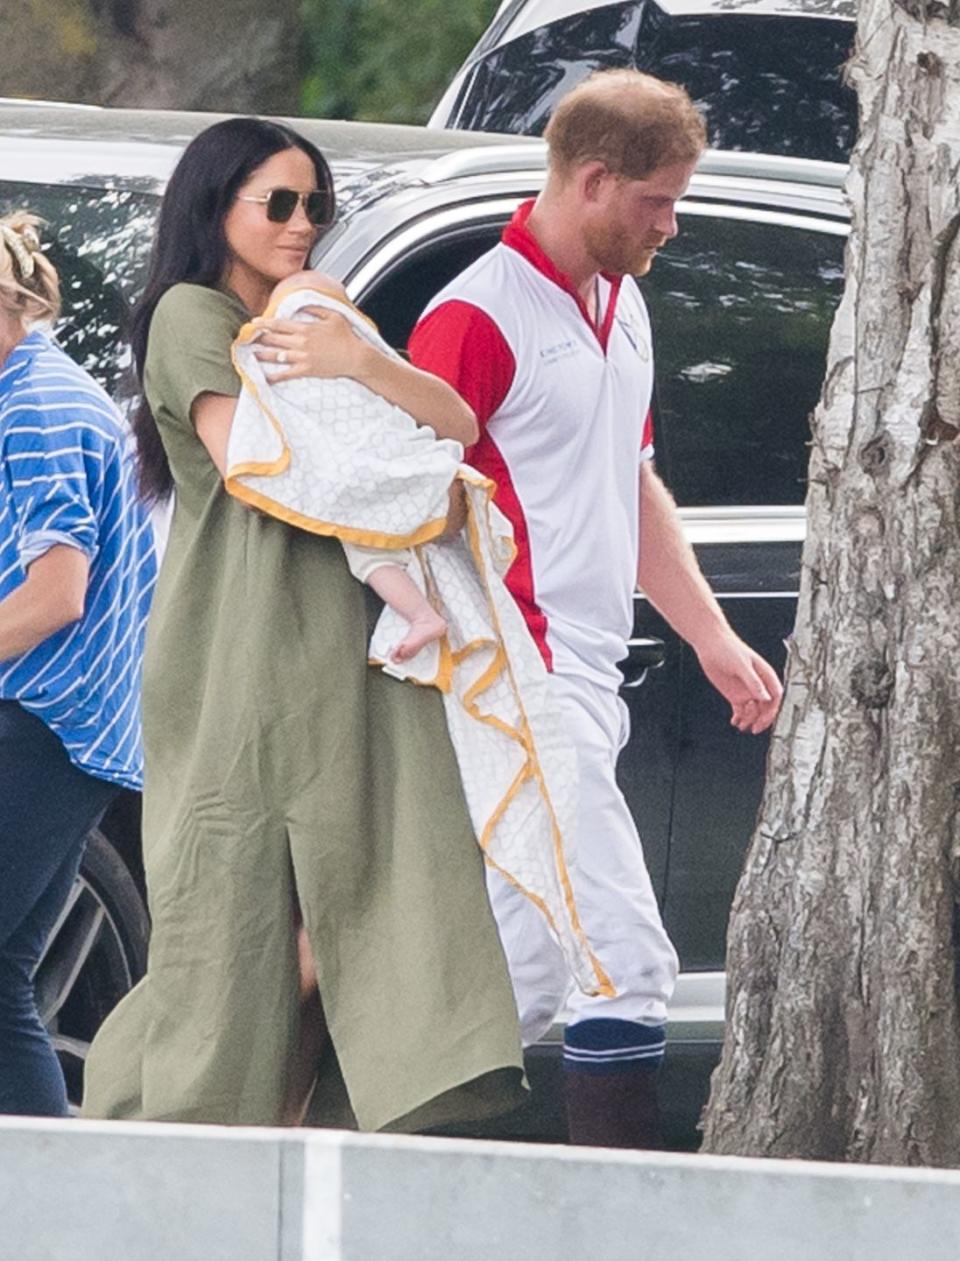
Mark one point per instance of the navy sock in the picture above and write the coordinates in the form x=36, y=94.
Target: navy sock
x=603, y=1047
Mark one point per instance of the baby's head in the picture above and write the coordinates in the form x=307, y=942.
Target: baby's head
x=315, y=280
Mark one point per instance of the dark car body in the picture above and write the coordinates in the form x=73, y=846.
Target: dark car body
x=741, y=304
x=766, y=73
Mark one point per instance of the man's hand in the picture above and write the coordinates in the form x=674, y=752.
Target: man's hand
x=671, y=578
x=743, y=678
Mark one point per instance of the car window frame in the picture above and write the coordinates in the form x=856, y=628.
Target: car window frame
x=742, y=213
x=420, y=226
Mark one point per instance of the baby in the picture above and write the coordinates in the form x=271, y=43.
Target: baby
x=387, y=572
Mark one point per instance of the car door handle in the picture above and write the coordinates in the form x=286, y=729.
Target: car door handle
x=643, y=653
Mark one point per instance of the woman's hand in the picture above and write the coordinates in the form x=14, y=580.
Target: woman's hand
x=325, y=346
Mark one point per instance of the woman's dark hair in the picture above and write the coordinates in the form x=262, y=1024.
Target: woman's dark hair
x=190, y=245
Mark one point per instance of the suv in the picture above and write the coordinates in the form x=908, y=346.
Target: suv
x=766, y=73
x=741, y=304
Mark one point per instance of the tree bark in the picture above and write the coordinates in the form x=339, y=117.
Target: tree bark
x=843, y=1039
x=229, y=55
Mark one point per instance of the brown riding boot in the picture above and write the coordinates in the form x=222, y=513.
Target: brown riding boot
x=614, y=1109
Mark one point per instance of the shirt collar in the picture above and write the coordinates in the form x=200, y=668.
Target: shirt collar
x=19, y=360
x=517, y=236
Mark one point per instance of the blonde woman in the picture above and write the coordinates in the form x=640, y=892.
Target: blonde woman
x=76, y=570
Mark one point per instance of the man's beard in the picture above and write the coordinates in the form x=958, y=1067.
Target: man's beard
x=614, y=252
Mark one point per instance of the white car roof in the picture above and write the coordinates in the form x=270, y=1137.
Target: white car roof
x=541, y=12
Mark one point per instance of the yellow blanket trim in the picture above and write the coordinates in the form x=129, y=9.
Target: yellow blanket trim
x=257, y=499
x=249, y=331
x=530, y=768
x=362, y=538
x=442, y=680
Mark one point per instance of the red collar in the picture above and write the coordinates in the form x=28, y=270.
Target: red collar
x=518, y=236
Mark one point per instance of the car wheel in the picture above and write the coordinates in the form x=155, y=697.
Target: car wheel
x=95, y=954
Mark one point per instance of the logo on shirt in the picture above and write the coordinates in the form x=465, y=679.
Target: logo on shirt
x=559, y=350
x=635, y=336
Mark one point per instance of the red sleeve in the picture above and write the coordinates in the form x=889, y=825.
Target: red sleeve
x=462, y=344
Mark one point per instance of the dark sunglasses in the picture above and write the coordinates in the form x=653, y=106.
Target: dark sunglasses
x=318, y=205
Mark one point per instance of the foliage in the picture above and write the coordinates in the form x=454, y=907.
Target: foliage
x=385, y=59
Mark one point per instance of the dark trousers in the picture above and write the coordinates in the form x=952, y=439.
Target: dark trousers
x=47, y=808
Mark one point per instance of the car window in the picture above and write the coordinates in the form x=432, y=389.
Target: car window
x=99, y=241
x=741, y=314
x=764, y=84
x=399, y=295
x=516, y=87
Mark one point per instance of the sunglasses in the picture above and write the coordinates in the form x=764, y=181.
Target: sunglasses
x=318, y=205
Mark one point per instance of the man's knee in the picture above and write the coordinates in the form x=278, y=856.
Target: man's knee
x=538, y=971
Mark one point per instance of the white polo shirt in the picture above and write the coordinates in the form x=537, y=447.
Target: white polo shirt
x=564, y=411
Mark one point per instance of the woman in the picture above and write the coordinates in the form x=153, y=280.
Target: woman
x=76, y=571
x=287, y=782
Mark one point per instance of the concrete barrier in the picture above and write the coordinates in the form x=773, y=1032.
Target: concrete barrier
x=81, y=1191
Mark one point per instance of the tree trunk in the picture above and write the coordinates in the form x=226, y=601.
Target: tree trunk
x=843, y=1039
x=229, y=55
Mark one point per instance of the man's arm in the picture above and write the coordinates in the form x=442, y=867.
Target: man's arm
x=461, y=344
x=671, y=579
x=51, y=597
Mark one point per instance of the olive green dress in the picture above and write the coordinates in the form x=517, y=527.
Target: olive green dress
x=281, y=769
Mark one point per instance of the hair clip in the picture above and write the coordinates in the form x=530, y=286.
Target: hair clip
x=22, y=245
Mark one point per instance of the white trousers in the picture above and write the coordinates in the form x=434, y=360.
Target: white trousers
x=611, y=885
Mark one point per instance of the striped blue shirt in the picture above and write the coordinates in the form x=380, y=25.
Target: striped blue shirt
x=66, y=477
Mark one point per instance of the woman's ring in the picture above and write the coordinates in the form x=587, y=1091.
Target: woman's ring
x=281, y=356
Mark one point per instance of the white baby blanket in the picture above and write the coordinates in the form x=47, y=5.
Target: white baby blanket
x=332, y=457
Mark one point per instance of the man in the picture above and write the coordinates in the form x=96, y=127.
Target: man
x=548, y=339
